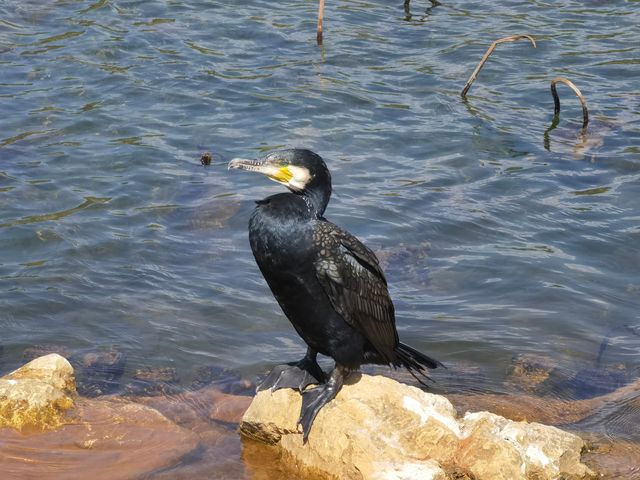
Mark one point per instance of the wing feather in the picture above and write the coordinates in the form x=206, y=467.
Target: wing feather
x=351, y=277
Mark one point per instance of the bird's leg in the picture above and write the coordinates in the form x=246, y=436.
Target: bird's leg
x=297, y=375
x=315, y=398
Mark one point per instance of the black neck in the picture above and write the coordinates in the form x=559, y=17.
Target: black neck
x=317, y=197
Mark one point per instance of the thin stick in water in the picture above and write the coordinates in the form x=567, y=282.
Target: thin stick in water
x=556, y=99
x=511, y=38
x=320, y=18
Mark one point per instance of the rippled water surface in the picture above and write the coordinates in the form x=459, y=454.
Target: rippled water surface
x=499, y=235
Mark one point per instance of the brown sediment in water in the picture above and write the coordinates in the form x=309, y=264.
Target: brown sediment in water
x=616, y=459
x=527, y=407
x=541, y=409
x=103, y=439
x=213, y=416
x=187, y=408
x=54, y=433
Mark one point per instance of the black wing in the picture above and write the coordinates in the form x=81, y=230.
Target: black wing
x=351, y=277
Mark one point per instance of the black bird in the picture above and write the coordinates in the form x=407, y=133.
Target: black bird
x=328, y=283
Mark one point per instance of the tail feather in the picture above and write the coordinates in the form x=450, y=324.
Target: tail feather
x=415, y=362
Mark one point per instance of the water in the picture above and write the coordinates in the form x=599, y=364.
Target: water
x=499, y=237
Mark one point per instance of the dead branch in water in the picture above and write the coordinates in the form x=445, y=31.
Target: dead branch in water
x=407, y=10
x=556, y=99
x=511, y=38
x=320, y=19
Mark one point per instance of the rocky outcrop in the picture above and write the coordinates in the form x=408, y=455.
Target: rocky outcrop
x=137, y=437
x=377, y=428
x=36, y=395
x=51, y=429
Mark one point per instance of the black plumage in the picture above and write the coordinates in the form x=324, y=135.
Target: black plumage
x=328, y=283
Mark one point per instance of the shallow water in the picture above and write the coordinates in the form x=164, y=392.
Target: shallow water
x=499, y=236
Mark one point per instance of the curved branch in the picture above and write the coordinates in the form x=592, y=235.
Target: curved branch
x=556, y=99
x=511, y=38
x=320, y=19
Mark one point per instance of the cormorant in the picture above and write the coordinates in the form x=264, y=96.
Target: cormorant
x=328, y=283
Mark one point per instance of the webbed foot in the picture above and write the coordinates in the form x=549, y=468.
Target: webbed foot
x=296, y=375
x=314, y=399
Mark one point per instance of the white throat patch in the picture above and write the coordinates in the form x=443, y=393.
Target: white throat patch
x=300, y=178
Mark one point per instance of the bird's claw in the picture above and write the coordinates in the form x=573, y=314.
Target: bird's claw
x=312, y=402
x=315, y=398
x=296, y=375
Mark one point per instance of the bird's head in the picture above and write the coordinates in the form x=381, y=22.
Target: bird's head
x=301, y=171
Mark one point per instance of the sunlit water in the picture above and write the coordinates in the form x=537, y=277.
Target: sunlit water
x=499, y=236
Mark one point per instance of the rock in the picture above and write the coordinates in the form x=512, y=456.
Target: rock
x=51, y=369
x=101, y=372
x=543, y=376
x=213, y=215
x=111, y=438
x=552, y=411
x=159, y=374
x=36, y=395
x=528, y=372
x=377, y=428
x=497, y=448
x=154, y=381
x=223, y=379
x=107, y=439
x=594, y=382
x=191, y=408
x=213, y=416
x=614, y=459
x=406, y=262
